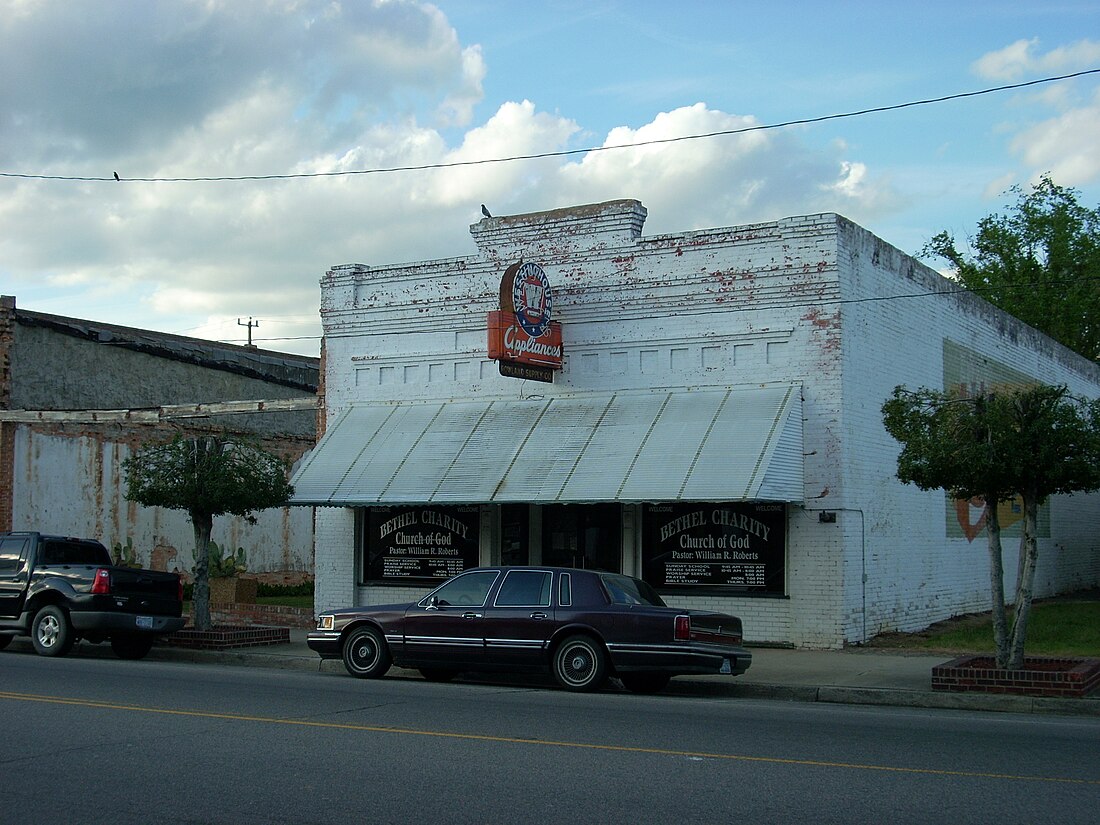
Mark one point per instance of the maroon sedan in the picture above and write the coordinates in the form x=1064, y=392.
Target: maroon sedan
x=581, y=625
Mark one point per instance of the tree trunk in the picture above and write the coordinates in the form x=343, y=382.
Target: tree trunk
x=203, y=524
x=997, y=583
x=1025, y=587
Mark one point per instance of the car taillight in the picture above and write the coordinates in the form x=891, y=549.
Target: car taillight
x=683, y=629
x=101, y=582
x=179, y=589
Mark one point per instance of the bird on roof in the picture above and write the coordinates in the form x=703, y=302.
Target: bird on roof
x=117, y=177
x=485, y=211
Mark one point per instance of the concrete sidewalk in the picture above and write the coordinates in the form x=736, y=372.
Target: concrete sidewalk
x=852, y=676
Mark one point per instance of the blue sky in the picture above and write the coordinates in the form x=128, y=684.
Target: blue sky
x=179, y=89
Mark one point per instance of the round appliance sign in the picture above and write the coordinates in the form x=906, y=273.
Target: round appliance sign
x=531, y=300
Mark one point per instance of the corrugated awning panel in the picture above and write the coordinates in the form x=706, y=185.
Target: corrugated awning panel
x=701, y=445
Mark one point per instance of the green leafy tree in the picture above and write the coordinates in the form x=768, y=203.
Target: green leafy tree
x=1039, y=262
x=207, y=476
x=1031, y=442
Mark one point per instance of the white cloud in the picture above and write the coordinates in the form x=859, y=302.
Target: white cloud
x=1021, y=58
x=185, y=89
x=719, y=181
x=1065, y=145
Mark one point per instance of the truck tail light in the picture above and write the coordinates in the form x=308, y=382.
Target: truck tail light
x=683, y=629
x=101, y=582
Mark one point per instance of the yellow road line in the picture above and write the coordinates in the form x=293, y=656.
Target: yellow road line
x=732, y=757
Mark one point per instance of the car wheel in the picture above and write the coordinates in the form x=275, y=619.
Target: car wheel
x=580, y=664
x=438, y=674
x=5, y=641
x=51, y=634
x=132, y=647
x=365, y=654
x=644, y=682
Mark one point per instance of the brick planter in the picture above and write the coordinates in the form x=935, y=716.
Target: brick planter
x=225, y=637
x=1040, y=676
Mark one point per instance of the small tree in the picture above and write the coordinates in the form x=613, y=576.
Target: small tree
x=207, y=476
x=1039, y=262
x=1031, y=441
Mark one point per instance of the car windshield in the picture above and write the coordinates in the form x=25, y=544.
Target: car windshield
x=626, y=590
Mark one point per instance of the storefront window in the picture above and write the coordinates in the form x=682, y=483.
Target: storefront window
x=717, y=547
x=515, y=522
x=419, y=544
x=582, y=535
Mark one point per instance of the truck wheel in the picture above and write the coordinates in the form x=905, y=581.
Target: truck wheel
x=51, y=634
x=132, y=646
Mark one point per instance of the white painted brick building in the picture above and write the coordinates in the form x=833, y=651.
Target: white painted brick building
x=810, y=320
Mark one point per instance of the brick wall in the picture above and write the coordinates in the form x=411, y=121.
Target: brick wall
x=916, y=572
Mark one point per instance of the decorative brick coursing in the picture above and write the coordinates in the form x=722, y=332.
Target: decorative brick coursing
x=1040, y=677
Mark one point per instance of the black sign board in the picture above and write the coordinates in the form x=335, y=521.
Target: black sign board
x=532, y=372
x=414, y=544
x=729, y=546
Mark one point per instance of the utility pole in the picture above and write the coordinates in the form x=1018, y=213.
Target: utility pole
x=250, y=324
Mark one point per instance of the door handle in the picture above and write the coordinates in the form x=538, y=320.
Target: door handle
x=471, y=615
x=538, y=616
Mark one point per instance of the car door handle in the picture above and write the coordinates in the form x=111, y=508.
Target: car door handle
x=471, y=615
x=538, y=616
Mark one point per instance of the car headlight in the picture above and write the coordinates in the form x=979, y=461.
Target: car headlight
x=325, y=622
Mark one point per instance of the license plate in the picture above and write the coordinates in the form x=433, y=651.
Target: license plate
x=725, y=667
x=146, y=623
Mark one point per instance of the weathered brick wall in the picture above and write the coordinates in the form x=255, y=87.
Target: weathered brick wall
x=69, y=480
x=7, y=431
x=916, y=573
x=334, y=560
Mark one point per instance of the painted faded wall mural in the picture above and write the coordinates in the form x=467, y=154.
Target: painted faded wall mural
x=970, y=373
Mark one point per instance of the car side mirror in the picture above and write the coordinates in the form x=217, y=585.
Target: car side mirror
x=433, y=603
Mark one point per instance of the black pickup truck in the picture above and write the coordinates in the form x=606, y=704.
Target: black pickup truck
x=58, y=590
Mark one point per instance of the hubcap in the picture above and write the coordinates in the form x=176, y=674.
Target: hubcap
x=577, y=665
x=47, y=632
x=365, y=654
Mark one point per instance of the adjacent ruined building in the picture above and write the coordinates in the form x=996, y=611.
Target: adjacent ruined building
x=77, y=397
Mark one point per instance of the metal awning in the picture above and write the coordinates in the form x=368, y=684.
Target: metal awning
x=714, y=444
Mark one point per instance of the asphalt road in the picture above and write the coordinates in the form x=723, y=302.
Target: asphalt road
x=107, y=741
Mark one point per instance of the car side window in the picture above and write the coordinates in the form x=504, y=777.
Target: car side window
x=467, y=589
x=11, y=551
x=565, y=590
x=627, y=590
x=525, y=588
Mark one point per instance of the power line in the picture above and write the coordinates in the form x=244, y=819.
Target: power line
x=565, y=152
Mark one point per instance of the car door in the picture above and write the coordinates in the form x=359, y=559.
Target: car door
x=520, y=620
x=444, y=628
x=13, y=576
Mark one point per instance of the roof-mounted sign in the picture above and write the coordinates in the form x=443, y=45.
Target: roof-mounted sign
x=523, y=338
